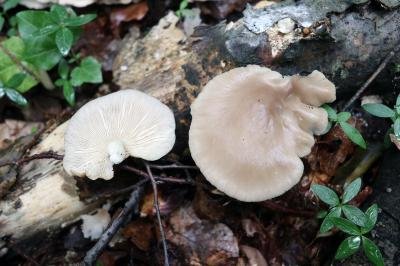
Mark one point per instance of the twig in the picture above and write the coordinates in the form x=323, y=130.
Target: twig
x=279, y=208
x=130, y=205
x=46, y=82
x=381, y=67
x=173, y=166
x=156, y=178
x=135, y=170
x=44, y=155
x=157, y=207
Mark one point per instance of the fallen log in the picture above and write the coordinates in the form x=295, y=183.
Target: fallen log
x=346, y=42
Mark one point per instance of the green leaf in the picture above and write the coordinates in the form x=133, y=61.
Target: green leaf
x=353, y=134
x=16, y=80
x=355, y=215
x=47, y=30
x=42, y=52
x=398, y=100
x=12, y=32
x=345, y=226
x=372, y=252
x=13, y=21
x=325, y=194
x=59, y=82
x=10, y=4
x=378, y=109
x=16, y=97
x=63, y=69
x=348, y=247
x=58, y=13
x=69, y=93
x=183, y=5
x=321, y=214
x=332, y=116
x=11, y=51
x=2, y=92
x=89, y=71
x=31, y=21
x=64, y=39
x=1, y=22
x=327, y=224
x=396, y=127
x=79, y=20
x=343, y=116
x=351, y=190
x=372, y=214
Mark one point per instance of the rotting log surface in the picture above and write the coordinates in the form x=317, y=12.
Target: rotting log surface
x=345, y=42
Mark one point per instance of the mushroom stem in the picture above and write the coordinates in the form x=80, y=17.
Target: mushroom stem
x=116, y=151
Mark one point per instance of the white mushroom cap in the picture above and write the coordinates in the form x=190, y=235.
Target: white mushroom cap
x=107, y=130
x=250, y=125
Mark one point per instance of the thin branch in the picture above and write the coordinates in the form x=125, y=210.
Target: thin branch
x=47, y=83
x=156, y=178
x=131, y=205
x=381, y=67
x=279, y=208
x=44, y=155
x=173, y=166
x=157, y=207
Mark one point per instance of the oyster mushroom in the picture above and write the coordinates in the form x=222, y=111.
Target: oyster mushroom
x=107, y=130
x=251, y=125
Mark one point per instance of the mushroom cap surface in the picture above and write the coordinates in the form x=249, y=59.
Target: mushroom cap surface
x=111, y=128
x=250, y=126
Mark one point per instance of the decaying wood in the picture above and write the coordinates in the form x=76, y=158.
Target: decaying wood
x=346, y=42
x=44, y=196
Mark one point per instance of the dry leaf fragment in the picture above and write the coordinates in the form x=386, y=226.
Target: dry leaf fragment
x=140, y=233
x=132, y=12
x=11, y=130
x=211, y=243
x=254, y=256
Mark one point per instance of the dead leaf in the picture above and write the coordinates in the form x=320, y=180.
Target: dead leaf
x=97, y=41
x=254, y=256
x=132, y=12
x=201, y=240
x=206, y=206
x=362, y=196
x=221, y=9
x=140, y=233
x=251, y=227
x=11, y=130
x=109, y=258
x=167, y=202
x=329, y=152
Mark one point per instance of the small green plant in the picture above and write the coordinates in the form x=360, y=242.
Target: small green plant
x=44, y=40
x=6, y=6
x=396, y=68
x=8, y=90
x=356, y=223
x=341, y=119
x=381, y=110
x=183, y=9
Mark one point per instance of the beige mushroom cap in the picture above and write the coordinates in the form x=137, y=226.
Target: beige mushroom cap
x=250, y=125
x=107, y=130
